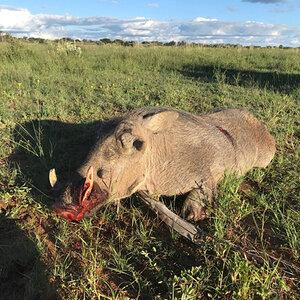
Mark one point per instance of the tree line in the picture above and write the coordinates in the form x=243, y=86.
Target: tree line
x=6, y=37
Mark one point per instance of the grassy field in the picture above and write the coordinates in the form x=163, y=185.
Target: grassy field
x=52, y=98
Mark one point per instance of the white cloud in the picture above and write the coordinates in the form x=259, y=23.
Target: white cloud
x=154, y=5
x=20, y=22
x=13, y=18
x=295, y=41
x=200, y=19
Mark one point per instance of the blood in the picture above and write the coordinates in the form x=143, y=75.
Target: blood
x=68, y=215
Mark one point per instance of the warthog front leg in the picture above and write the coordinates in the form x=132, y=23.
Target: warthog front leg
x=195, y=206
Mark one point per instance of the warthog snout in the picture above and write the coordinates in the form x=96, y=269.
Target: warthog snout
x=89, y=197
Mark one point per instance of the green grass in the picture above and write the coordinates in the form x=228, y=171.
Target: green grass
x=51, y=100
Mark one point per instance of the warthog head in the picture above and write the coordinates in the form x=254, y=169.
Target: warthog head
x=116, y=167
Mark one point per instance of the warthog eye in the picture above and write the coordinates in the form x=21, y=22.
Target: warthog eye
x=138, y=144
x=100, y=173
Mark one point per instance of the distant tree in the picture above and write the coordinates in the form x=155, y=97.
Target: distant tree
x=118, y=42
x=156, y=43
x=182, y=44
x=129, y=44
x=66, y=39
x=106, y=41
x=35, y=40
x=172, y=43
x=31, y=40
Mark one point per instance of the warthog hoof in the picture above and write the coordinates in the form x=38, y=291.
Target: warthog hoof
x=194, y=210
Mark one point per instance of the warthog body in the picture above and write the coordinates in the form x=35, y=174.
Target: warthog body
x=164, y=151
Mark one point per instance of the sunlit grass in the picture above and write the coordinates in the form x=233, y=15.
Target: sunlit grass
x=49, y=99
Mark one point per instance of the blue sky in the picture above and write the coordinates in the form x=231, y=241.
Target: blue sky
x=248, y=22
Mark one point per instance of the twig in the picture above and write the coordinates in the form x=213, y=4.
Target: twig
x=197, y=235
x=183, y=227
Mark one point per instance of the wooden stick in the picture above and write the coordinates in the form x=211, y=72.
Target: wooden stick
x=183, y=227
x=197, y=236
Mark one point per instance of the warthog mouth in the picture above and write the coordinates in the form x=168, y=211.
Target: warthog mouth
x=75, y=212
x=70, y=212
x=86, y=197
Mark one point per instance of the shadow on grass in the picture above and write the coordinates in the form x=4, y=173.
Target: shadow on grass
x=22, y=274
x=46, y=144
x=280, y=82
x=42, y=145
x=39, y=146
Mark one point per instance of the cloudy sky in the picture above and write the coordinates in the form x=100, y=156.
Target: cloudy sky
x=247, y=22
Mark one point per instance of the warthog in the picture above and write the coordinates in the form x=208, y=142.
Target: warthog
x=165, y=151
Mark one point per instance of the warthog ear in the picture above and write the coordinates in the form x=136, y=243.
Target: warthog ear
x=88, y=185
x=160, y=121
x=52, y=177
x=126, y=140
x=125, y=137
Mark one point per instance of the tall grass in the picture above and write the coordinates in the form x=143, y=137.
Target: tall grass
x=51, y=98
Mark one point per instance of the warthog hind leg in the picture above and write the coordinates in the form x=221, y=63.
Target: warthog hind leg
x=195, y=207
